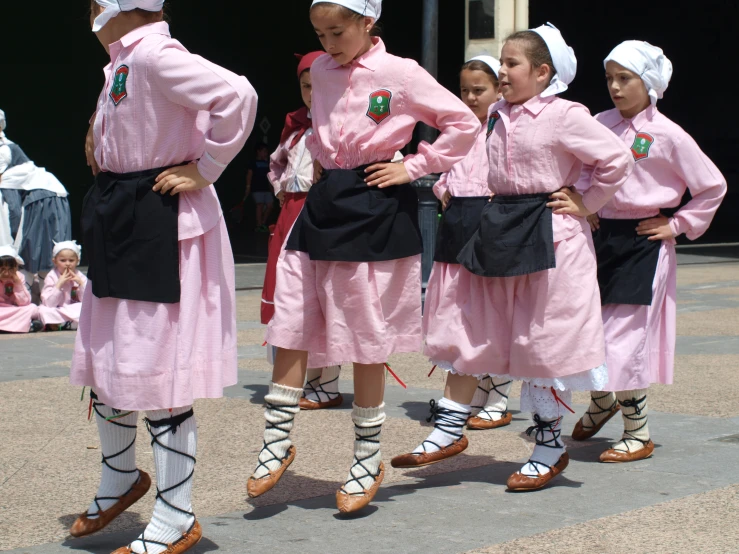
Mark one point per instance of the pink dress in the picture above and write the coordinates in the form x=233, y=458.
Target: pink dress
x=177, y=107
x=365, y=311
x=640, y=340
x=16, y=310
x=544, y=327
x=468, y=177
x=58, y=305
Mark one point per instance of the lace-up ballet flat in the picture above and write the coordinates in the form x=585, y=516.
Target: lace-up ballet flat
x=184, y=543
x=582, y=432
x=257, y=487
x=478, y=423
x=616, y=456
x=520, y=482
x=348, y=502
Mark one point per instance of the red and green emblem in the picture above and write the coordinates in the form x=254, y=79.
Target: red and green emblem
x=642, y=143
x=118, y=90
x=492, y=120
x=379, y=105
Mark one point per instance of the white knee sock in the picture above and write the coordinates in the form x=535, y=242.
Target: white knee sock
x=481, y=395
x=327, y=387
x=118, y=446
x=282, y=406
x=634, y=413
x=174, y=442
x=547, y=412
x=312, y=378
x=497, y=401
x=601, y=404
x=449, y=419
x=366, y=465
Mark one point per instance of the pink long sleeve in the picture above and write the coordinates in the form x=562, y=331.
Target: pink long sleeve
x=440, y=187
x=52, y=297
x=21, y=293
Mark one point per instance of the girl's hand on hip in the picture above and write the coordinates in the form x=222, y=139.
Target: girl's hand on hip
x=90, y=150
x=183, y=178
x=445, y=198
x=658, y=227
x=594, y=222
x=566, y=201
x=386, y=175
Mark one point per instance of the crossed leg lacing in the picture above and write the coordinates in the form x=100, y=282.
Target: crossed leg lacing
x=367, y=439
x=482, y=392
x=539, y=429
x=635, y=423
x=447, y=421
x=168, y=425
x=492, y=414
x=314, y=388
x=596, y=412
x=280, y=428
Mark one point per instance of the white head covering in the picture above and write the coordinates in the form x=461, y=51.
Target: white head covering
x=10, y=250
x=368, y=8
x=114, y=7
x=563, y=58
x=489, y=61
x=647, y=61
x=3, y=124
x=67, y=245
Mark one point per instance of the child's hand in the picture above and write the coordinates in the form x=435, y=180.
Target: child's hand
x=658, y=227
x=183, y=178
x=594, y=221
x=90, y=150
x=566, y=201
x=281, y=197
x=63, y=279
x=445, y=198
x=386, y=175
x=317, y=171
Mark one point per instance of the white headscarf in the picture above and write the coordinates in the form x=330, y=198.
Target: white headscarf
x=67, y=245
x=114, y=7
x=368, y=8
x=647, y=61
x=9, y=250
x=489, y=61
x=563, y=58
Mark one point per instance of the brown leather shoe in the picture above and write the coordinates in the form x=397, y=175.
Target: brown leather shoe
x=86, y=526
x=520, y=482
x=306, y=404
x=427, y=458
x=348, y=503
x=184, y=543
x=479, y=423
x=612, y=456
x=580, y=433
x=257, y=487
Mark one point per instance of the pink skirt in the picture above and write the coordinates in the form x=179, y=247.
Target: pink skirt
x=17, y=319
x=150, y=356
x=344, y=312
x=61, y=314
x=545, y=325
x=640, y=340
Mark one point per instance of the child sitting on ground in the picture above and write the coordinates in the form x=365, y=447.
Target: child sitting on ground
x=64, y=286
x=17, y=313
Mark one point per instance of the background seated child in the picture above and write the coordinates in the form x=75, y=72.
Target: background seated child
x=64, y=287
x=17, y=314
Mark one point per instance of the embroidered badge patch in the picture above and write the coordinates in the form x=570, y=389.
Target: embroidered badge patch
x=118, y=90
x=492, y=120
x=642, y=143
x=379, y=105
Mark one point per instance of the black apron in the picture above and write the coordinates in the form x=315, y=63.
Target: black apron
x=515, y=237
x=458, y=225
x=130, y=236
x=627, y=262
x=344, y=220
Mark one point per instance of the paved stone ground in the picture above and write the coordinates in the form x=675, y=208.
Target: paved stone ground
x=683, y=500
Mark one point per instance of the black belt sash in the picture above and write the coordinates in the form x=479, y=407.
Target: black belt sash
x=345, y=220
x=627, y=262
x=130, y=235
x=515, y=237
x=458, y=225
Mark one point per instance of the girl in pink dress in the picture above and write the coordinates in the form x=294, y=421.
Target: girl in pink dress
x=635, y=243
x=349, y=280
x=64, y=288
x=158, y=323
x=537, y=316
x=17, y=314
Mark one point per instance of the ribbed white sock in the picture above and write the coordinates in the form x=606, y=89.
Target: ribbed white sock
x=601, y=404
x=365, y=467
x=282, y=406
x=481, y=395
x=449, y=420
x=635, y=415
x=174, y=442
x=547, y=412
x=496, y=403
x=327, y=387
x=118, y=447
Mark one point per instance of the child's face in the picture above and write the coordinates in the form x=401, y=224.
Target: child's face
x=519, y=81
x=343, y=38
x=627, y=90
x=7, y=272
x=306, y=88
x=477, y=91
x=66, y=259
